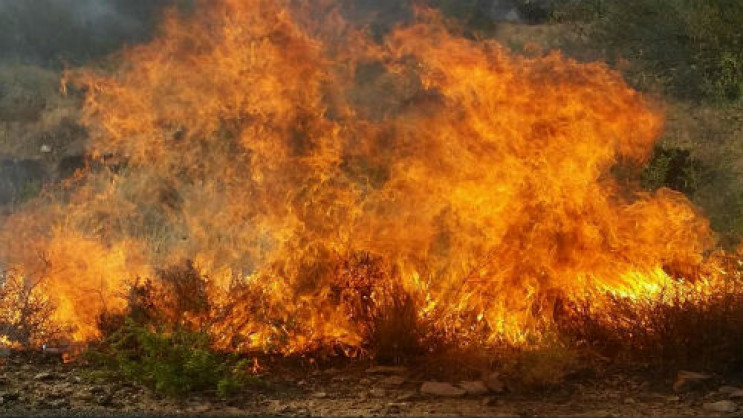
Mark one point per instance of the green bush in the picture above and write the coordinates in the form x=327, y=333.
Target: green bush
x=676, y=169
x=690, y=49
x=173, y=363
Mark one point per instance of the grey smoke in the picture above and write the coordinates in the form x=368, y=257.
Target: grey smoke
x=50, y=32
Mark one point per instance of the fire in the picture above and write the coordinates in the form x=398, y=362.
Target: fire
x=313, y=176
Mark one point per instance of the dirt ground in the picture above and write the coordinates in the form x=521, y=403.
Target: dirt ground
x=32, y=387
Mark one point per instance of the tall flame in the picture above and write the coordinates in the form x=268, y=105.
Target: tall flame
x=271, y=145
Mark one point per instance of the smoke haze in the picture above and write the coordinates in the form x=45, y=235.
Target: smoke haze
x=49, y=32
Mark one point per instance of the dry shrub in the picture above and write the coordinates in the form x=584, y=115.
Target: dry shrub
x=385, y=311
x=176, y=299
x=678, y=329
x=25, y=312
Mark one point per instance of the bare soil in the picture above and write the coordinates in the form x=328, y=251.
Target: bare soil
x=30, y=387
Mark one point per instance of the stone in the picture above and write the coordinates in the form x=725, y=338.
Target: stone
x=494, y=384
x=474, y=388
x=393, y=380
x=395, y=407
x=728, y=389
x=685, y=380
x=720, y=406
x=97, y=390
x=387, y=370
x=44, y=376
x=406, y=396
x=442, y=389
x=737, y=394
x=105, y=400
x=282, y=409
x=319, y=395
x=9, y=396
x=378, y=392
x=60, y=403
x=200, y=409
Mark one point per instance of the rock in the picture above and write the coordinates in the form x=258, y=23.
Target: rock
x=41, y=404
x=97, y=390
x=442, y=389
x=493, y=383
x=728, y=389
x=685, y=380
x=105, y=400
x=364, y=382
x=395, y=407
x=378, y=392
x=44, y=376
x=394, y=380
x=60, y=403
x=629, y=401
x=282, y=409
x=9, y=396
x=406, y=396
x=474, y=388
x=200, y=409
x=319, y=395
x=84, y=397
x=720, y=406
x=491, y=401
x=731, y=391
x=387, y=370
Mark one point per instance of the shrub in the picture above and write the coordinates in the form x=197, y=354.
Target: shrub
x=386, y=313
x=691, y=49
x=25, y=312
x=677, y=329
x=172, y=363
x=675, y=168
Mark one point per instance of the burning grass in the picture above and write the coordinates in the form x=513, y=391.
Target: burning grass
x=687, y=326
x=263, y=195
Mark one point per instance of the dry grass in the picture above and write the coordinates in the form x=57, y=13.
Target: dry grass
x=675, y=331
x=33, y=112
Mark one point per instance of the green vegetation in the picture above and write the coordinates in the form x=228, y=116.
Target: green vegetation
x=172, y=363
x=161, y=341
x=688, y=49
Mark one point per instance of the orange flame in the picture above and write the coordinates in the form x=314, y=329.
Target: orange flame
x=269, y=149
